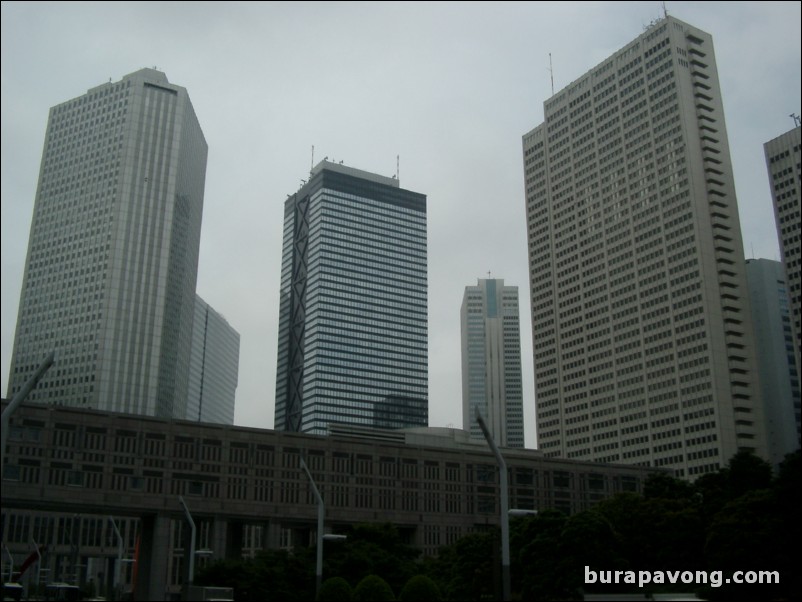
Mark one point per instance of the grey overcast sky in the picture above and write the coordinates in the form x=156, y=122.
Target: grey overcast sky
x=450, y=87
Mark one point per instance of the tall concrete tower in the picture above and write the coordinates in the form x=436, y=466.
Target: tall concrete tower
x=112, y=258
x=643, y=344
x=491, y=362
x=785, y=174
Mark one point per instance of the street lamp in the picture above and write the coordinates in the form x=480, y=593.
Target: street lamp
x=38, y=564
x=320, y=513
x=16, y=401
x=505, y=520
x=517, y=512
x=320, y=536
x=119, y=557
x=11, y=564
x=191, y=554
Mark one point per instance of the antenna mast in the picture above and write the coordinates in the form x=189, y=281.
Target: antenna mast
x=551, y=71
x=795, y=118
x=398, y=168
x=313, y=159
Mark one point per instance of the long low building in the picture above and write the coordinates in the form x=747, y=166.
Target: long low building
x=73, y=476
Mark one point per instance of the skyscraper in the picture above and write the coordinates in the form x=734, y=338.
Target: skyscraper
x=785, y=175
x=213, y=368
x=642, y=330
x=779, y=379
x=352, y=342
x=112, y=258
x=491, y=362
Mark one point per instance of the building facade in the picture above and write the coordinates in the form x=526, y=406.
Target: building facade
x=779, y=379
x=213, y=367
x=785, y=177
x=642, y=335
x=68, y=471
x=353, y=312
x=491, y=362
x=110, y=273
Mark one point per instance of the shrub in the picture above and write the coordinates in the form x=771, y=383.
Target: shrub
x=420, y=587
x=335, y=589
x=373, y=588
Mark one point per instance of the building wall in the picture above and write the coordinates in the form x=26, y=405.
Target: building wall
x=491, y=362
x=353, y=315
x=785, y=177
x=774, y=343
x=214, y=367
x=641, y=322
x=110, y=274
x=246, y=485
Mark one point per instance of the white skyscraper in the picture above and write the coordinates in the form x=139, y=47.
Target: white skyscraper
x=491, y=362
x=112, y=261
x=785, y=174
x=642, y=333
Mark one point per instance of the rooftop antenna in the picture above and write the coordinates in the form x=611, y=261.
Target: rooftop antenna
x=795, y=118
x=551, y=71
x=311, y=167
x=665, y=10
x=398, y=167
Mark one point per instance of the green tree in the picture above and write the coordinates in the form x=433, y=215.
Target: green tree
x=745, y=535
x=747, y=472
x=547, y=575
x=656, y=533
x=373, y=588
x=464, y=570
x=274, y=575
x=372, y=549
x=744, y=472
x=663, y=486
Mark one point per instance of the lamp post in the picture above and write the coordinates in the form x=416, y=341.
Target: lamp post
x=38, y=564
x=191, y=554
x=16, y=401
x=320, y=513
x=117, y=567
x=11, y=564
x=505, y=520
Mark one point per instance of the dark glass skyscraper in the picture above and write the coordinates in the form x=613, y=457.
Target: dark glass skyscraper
x=112, y=260
x=353, y=317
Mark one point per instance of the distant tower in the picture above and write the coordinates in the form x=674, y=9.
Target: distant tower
x=352, y=342
x=214, y=367
x=779, y=378
x=783, y=163
x=642, y=329
x=491, y=362
x=112, y=259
